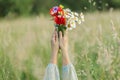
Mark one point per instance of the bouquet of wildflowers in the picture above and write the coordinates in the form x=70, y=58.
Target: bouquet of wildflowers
x=65, y=19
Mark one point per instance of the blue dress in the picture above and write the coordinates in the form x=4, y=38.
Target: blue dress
x=68, y=72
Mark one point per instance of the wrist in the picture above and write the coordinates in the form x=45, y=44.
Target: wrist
x=54, y=51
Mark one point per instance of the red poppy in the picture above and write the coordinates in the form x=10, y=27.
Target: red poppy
x=60, y=20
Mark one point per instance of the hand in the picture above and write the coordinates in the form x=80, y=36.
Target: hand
x=55, y=47
x=63, y=43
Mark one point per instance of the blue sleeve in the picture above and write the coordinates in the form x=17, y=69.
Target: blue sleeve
x=69, y=73
x=52, y=72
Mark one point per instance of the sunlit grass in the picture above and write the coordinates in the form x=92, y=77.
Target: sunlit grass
x=94, y=47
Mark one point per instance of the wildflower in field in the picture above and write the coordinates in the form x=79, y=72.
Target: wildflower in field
x=65, y=18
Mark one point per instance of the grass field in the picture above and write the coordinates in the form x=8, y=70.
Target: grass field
x=94, y=47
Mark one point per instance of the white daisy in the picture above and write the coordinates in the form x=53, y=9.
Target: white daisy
x=82, y=17
x=76, y=14
x=79, y=22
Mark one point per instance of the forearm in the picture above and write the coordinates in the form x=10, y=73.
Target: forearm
x=66, y=59
x=53, y=59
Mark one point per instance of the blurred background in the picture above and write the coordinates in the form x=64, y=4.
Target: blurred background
x=35, y=7
x=25, y=34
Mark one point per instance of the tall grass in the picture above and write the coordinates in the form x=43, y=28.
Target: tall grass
x=94, y=47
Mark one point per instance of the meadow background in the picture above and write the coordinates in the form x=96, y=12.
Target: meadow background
x=94, y=46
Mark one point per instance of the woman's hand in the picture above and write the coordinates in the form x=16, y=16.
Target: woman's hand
x=63, y=42
x=55, y=47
